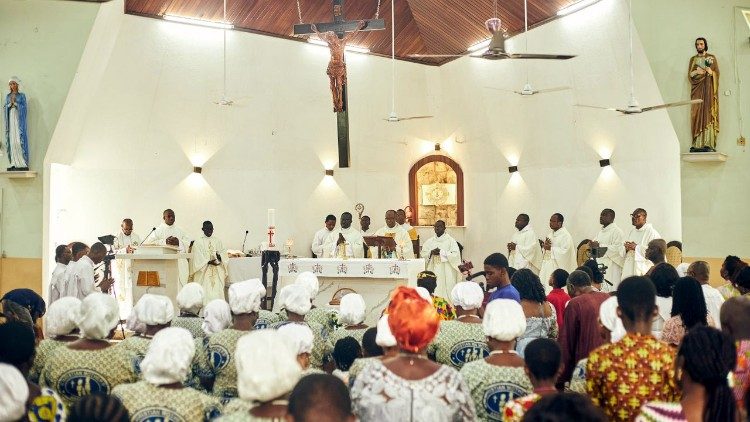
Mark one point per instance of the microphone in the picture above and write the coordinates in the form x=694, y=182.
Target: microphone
x=475, y=275
x=244, y=240
x=149, y=234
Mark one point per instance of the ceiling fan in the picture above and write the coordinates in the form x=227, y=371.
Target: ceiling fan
x=393, y=117
x=633, y=106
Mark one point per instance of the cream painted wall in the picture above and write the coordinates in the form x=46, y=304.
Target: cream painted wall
x=40, y=42
x=714, y=196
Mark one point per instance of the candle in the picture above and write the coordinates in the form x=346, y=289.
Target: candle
x=271, y=217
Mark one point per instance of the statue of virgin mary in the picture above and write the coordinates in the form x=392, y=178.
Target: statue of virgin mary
x=14, y=116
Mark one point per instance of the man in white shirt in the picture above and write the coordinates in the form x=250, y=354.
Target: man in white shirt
x=443, y=258
x=700, y=271
x=364, y=224
x=611, y=237
x=169, y=234
x=633, y=250
x=57, y=284
x=125, y=242
x=321, y=236
x=346, y=241
x=523, y=249
x=210, y=264
x=558, y=250
x=399, y=235
x=82, y=280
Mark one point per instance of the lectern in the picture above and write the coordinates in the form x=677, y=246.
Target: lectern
x=154, y=269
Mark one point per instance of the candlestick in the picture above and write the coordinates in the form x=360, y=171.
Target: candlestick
x=271, y=217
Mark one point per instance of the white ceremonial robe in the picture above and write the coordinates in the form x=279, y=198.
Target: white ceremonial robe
x=714, y=300
x=123, y=286
x=319, y=240
x=635, y=261
x=562, y=254
x=160, y=238
x=81, y=282
x=445, y=265
x=528, y=253
x=57, y=286
x=403, y=241
x=413, y=235
x=354, y=244
x=211, y=277
x=612, y=238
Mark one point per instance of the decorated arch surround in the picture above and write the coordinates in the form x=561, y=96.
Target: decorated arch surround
x=436, y=191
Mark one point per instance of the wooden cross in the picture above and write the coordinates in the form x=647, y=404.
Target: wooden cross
x=340, y=26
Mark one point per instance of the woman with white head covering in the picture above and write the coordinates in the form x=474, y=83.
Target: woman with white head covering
x=156, y=313
x=61, y=329
x=216, y=316
x=244, y=301
x=91, y=361
x=267, y=371
x=161, y=394
x=300, y=338
x=500, y=376
x=295, y=299
x=321, y=316
x=461, y=340
x=383, y=338
x=190, y=302
x=352, y=312
x=13, y=394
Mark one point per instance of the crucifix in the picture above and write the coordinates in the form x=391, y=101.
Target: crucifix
x=336, y=34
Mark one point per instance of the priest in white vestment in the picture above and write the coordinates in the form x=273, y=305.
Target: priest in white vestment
x=524, y=250
x=364, y=224
x=633, y=250
x=82, y=281
x=399, y=235
x=125, y=242
x=345, y=242
x=322, y=236
x=169, y=234
x=558, y=251
x=612, y=238
x=443, y=257
x=210, y=264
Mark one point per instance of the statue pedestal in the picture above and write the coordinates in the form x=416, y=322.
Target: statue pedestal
x=18, y=174
x=704, y=157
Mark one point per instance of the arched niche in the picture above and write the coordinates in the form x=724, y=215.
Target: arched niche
x=436, y=191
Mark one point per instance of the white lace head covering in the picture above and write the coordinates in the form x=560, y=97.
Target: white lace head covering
x=14, y=391
x=267, y=366
x=504, y=320
x=296, y=298
x=169, y=357
x=244, y=296
x=299, y=336
x=609, y=319
x=133, y=324
x=424, y=293
x=154, y=309
x=190, y=298
x=216, y=316
x=352, y=309
x=97, y=315
x=468, y=295
x=310, y=281
x=384, y=336
x=60, y=314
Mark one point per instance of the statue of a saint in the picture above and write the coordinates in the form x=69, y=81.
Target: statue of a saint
x=337, y=67
x=14, y=115
x=704, y=79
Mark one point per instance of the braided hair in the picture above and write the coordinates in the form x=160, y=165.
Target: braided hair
x=98, y=407
x=708, y=356
x=528, y=285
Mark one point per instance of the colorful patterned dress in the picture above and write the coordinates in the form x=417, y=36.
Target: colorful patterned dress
x=340, y=333
x=578, y=380
x=266, y=319
x=320, y=347
x=492, y=386
x=674, y=329
x=458, y=343
x=358, y=365
x=221, y=348
x=47, y=407
x=194, y=324
x=741, y=374
x=43, y=350
x=147, y=402
x=661, y=412
x=443, y=308
x=514, y=410
x=323, y=317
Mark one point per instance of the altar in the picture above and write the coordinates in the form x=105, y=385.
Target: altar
x=374, y=279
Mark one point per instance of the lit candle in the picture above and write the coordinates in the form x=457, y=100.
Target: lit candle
x=271, y=217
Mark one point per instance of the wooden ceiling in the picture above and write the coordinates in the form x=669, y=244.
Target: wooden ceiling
x=422, y=26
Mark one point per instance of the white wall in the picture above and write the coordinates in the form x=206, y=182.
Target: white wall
x=152, y=114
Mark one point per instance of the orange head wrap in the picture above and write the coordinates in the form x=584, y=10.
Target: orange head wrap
x=413, y=320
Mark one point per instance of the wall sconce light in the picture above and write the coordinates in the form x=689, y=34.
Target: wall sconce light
x=512, y=169
x=329, y=173
x=437, y=147
x=604, y=162
x=197, y=169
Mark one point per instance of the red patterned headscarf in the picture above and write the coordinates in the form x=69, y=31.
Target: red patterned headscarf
x=413, y=321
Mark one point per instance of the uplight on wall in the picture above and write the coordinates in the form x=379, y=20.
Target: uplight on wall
x=513, y=169
x=604, y=163
x=575, y=7
x=437, y=147
x=200, y=22
x=197, y=170
x=329, y=172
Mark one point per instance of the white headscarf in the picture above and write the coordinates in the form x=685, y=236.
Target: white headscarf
x=133, y=324
x=97, y=316
x=384, y=336
x=60, y=314
x=13, y=393
x=424, y=293
x=610, y=320
x=216, y=316
x=352, y=309
x=190, y=298
x=296, y=298
x=154, y=309
x=504, y=320
x=299, y=336
x=169, y=357
x=244, y=297
x=267, y=366
x=468, y=295
x=310, y=281
x=682, y=269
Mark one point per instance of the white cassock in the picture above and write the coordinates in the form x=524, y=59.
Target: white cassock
x=57, y=286
x=401, y=236
x=81, y=281
x=413, y=235
x=354, y=244
x=211, y=277
x=121, y=272
x=160, y=238
x=714, y=300
x=562, y=254
x=528, y=253
x=319, y=240
x=445, y=265
x=635, y=262
x=612, y=238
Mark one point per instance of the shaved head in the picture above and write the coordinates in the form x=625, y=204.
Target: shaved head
x=735, y=317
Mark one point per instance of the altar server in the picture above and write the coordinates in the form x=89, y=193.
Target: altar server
x=612, y=238
x=346, y=241
x=524, y=250
x=633, y=250
x=558, y=250
x=169, y=234
x=210, y=264
x=443, y=258
x=322, y=235
x=125, y=242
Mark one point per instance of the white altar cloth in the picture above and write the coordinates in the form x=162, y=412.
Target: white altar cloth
x=245, y=268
